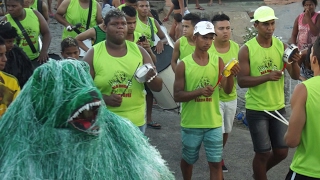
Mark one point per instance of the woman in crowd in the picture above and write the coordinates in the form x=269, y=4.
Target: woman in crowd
x=306, y=27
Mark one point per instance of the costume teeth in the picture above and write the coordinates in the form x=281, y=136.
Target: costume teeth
x=84, y=107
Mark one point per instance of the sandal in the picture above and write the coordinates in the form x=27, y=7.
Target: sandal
x=200, y=8
x=154, y=125
x=51, y=15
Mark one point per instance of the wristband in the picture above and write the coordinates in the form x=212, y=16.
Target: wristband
x=69, y=28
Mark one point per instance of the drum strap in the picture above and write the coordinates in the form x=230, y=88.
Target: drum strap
x=152, y=30
x=88, y=19
x=25, y=35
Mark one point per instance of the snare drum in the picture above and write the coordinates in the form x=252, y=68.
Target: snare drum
x=141, y=73
x=290, y=50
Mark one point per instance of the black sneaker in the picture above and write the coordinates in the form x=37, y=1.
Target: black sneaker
x=224, y=168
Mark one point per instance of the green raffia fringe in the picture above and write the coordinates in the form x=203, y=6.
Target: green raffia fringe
x=36, y=142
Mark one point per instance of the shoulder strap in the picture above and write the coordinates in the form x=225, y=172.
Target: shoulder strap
x=89, y=15
x=152, y=30
x=26, y=36
x=39, y=6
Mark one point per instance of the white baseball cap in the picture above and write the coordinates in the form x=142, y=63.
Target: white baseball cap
x=203, y=28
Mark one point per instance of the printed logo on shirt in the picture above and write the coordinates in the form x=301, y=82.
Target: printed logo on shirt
x=267, y=66
x=120, y=83
x=32, y=35
x=204, y=81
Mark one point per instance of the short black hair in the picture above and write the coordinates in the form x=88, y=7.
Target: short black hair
x=315, y=2
x=9, y=32
x=177, y=17
x=129, y=11
x=220, y=17
x=2, y=42
x=114, y=13
x=194, y=18
x=68, y=42
x=316, y=49
x=19, y=1
x=131, y=1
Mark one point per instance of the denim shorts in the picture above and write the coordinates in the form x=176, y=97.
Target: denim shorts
x=266, y=131
x=192, y=139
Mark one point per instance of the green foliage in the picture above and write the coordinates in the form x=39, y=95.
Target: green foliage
x=251, y=32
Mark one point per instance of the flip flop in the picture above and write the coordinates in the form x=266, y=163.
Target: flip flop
x=51, y=15
x=154, y=125
x=200, y=8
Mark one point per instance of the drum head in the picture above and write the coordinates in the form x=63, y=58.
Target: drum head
x=163, y=59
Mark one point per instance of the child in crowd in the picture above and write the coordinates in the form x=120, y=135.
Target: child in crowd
x=70, y=48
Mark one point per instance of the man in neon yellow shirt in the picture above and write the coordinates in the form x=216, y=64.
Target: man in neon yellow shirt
x=184, y=45
x=303, y=131
x=9, y=86
x=195, y=77
x=261, y=72
x=227, y=50
x=133, y=35
x=112, y=66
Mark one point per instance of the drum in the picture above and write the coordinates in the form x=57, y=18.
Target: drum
x=165, y=98
x=140, y=74
x=88, y=43
x=290, y=50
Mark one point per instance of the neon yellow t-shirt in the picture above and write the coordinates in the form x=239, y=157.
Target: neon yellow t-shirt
x=32, y=26
x=202, y=112
x=76, y=14
x=112, y=75
x=306, y=159
x=269, y=95
x=146, y=30
x=226, y=57
x=185, y=48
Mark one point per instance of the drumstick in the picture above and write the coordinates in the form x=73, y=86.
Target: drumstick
x=284, y=122
x=281, y=116
x=218, y=82
x=130, y=80
x=284, y=67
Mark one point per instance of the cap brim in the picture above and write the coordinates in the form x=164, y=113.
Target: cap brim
x=205, y=32
x=264, y=19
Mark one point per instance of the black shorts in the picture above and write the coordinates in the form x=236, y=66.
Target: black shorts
x=176, y=4
x=295, y=176
x=266, y=131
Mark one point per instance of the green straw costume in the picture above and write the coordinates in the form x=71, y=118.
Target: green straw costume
x=59, y=128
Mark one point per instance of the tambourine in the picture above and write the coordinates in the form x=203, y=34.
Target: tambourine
x=227, y=68
x=290, y=50
x=141, y=73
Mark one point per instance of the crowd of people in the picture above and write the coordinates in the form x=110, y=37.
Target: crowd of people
x=124, y=38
